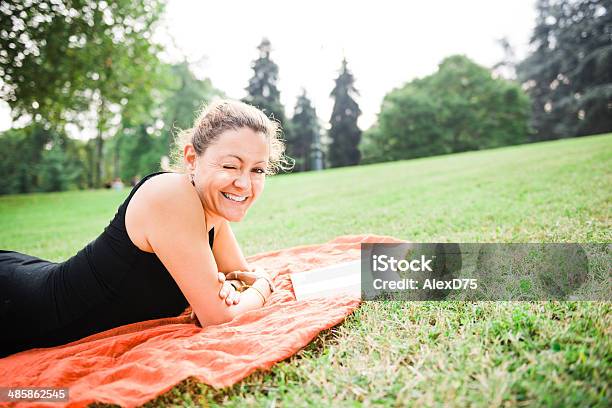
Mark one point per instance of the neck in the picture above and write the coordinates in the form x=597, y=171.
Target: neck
x=211, y=220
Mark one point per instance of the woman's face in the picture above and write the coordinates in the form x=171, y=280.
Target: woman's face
x=230, y=174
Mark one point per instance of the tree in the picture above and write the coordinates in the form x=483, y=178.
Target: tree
x=62, y=58
x=148, y=134
x=568, y=74
x=460, y=107
x=304, y=145
x=57, y=170
x=19, y=156
x=37, y=159
x=506, y=68
x=142, y=150
x=185, y=96
x=344, y=133
x=262, y=89
x=38, y=43
x=406, y=128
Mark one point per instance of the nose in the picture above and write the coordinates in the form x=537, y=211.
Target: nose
x=243, y=182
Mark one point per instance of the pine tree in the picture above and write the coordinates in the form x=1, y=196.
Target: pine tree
x=568, y=75
x=262, y=89
x=305, y=144
x=344, y=133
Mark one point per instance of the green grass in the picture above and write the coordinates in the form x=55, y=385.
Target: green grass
x=407, y=353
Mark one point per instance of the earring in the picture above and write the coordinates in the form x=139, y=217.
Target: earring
x=192, y=177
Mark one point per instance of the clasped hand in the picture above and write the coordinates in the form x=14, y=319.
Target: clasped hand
x=238, y=278
x=228, y=292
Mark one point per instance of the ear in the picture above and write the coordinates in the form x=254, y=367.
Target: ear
x=189, y=156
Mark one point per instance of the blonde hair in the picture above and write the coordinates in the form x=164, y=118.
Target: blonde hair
x=226, y=114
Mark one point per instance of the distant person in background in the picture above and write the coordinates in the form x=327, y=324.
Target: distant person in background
x=117, y=184
x=170, y=244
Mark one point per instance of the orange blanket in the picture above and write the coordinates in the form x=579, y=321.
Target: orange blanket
x=133, y=364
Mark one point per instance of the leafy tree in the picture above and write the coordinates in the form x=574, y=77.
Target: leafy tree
x=58, y=171
x=262, y=89
x=569, y=72
x=460, y=107
x=344, y=133
x=147, y=135
x=142, y=150
x=130, y=69
x=77, y=154
x=304, y=145
x=21, y=152
x=406, y=128
x=59, y=58
x=185, y=96
x=40, y=76
x=37, y=159
x=149, y=124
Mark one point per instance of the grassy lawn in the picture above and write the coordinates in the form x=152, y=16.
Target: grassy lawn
x=407, y=353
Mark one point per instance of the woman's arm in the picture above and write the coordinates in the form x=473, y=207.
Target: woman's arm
x=229, y=258
x=178, y=236
x=227, y=252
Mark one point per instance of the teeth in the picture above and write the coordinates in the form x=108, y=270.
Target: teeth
x=234, y=197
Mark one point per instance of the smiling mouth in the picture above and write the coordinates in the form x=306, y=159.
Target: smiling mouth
x=235, y=198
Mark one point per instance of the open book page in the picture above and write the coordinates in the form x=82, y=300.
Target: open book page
x=328, y=281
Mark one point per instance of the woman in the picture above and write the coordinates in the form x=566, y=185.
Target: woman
x=156, y=256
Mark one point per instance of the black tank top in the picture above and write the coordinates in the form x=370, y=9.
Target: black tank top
x=111, y=282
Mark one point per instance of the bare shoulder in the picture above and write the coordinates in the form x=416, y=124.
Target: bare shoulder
x=163, y=188
x=163, y=199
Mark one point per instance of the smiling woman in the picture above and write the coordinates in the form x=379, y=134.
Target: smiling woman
x=169, y=245
x=230, y=174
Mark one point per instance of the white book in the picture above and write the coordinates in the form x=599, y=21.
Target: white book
x=328, y=281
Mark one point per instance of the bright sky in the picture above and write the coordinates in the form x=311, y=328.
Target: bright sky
x=386, y=42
